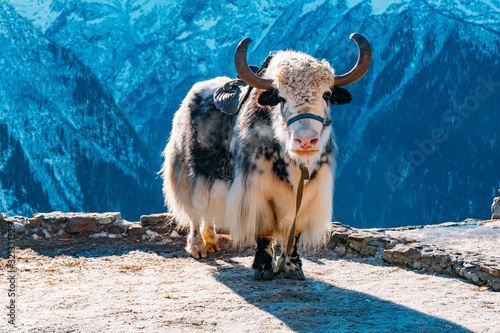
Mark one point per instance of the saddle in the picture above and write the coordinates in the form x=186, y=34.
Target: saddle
x=228, y=97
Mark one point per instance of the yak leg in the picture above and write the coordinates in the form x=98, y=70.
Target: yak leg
x=293, y=264
x=195, y=243
x=210, y=237
x=263, y=261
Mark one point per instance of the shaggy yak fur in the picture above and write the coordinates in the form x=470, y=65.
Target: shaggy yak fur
x=257, y=204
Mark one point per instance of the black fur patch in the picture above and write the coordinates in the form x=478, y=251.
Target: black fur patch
x=294, y=257
x=262, y=259
x=340, y=96
x=269, y=98
x=260, y=142
x=208, y=138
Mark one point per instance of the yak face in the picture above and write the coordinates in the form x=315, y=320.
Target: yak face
x=304, y=88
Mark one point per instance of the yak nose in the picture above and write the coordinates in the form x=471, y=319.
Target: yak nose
x=307, y=143
x=306, y=138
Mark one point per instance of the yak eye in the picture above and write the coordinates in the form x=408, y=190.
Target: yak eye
x=327, y=95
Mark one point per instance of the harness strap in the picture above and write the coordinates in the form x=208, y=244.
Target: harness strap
x=304, y=174
x=309, y=115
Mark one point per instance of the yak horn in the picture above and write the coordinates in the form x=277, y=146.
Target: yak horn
x=364, y=60
x=244, y=72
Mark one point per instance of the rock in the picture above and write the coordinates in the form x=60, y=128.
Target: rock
x=33, y=222
x=19, y=227
x=106, y=220
x=376, y=243
x=61, y=234
x=40, y=234
x=46, y=226
x=468, y=265
x=355, y=244
x=494, y=284
x=495, y=208
x=115, y=229
x=368, y=250
x=54, y=217
x=494, y=271
x=163, y=229
x=471, y=276
x=136, y=232
x=340, y=250
x=46, y=233
x=65, y=217
x=126, y=224
x=402, y=254
x=81, y=224
x=175, y=234
x=47, y=223
x=417, y=265
x=154, y=219
x=338, y=238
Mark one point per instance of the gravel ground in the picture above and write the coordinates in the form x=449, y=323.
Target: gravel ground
x=125, y=286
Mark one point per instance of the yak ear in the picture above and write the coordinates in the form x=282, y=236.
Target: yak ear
x=340, y=96
x=269, y=98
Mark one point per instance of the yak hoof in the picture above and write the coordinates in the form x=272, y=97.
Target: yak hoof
x=211, y=240
x=212, y=247
x=197, y=249
x=294, y=273
x=266, y=274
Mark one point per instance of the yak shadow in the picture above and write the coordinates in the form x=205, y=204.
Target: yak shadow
x=315, y=306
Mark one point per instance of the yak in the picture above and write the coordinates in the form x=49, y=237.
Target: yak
x=241, y=171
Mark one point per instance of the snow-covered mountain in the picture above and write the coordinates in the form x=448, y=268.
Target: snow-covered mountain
x=418, y=143
x=64, y=144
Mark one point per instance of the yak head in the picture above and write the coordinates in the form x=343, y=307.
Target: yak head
x=301, y=89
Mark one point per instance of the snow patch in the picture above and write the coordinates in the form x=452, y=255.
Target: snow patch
x=464, y=9
x=211, y=44
x=184, y=35
x=74, y=17
x=353, y=3
x=493, y=6
x=207, y=23
x=96, y=21
x=39, y=13
x=309, y=7
x=202, y=68
x=380, y=6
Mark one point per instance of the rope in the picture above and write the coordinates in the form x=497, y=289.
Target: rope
x=304, y=174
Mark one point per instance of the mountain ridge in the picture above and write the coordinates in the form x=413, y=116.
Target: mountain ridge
x=428, y=56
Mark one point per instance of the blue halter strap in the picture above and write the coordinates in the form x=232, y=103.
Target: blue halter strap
x=309, y=115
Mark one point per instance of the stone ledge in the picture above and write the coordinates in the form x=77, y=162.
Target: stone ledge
x=478, y=269
x=481, y=270
x=66, y=226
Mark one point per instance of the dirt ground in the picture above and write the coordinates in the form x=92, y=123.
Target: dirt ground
x=125, y=286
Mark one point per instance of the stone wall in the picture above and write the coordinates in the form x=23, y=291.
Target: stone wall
x=481, y=270
x=64, y=226
x=495, y=208
x=478, y=269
